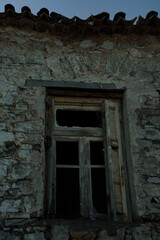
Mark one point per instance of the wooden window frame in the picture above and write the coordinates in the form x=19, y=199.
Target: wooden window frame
x=101, y=101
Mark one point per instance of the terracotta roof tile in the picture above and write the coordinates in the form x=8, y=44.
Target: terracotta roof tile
x=58, y=24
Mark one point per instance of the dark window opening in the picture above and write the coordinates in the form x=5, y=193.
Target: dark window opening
x=97, y=153
x=86, y=167
x=67, y=153
x=76, y=118
x=67, y=195
x=98, y=191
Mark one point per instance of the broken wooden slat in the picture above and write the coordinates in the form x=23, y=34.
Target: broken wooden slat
x=117, y=159
x=109, y=162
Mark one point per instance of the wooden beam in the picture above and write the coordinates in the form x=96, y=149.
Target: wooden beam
x=72, y=85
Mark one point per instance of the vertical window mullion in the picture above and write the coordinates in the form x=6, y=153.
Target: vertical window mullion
x=83, y=192
x=88, y=177
x=54, y=177
x=81, y=185
x=51, y=153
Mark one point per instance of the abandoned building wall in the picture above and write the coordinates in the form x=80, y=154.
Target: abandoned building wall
x=131, y=62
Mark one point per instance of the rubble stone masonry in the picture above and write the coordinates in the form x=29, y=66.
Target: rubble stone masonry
x=125, y=61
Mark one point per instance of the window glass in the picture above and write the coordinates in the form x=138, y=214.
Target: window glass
x=67, y=196
x=67, y=153
x=98, y=191
x=97, y=153
x=77, y=118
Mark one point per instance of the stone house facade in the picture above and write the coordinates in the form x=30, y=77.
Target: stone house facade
x=79, y=127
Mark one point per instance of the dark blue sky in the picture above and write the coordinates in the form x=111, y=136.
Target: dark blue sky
x=83, y=8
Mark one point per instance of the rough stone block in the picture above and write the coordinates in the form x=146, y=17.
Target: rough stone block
x=108, y=45
x=3, y=171
x=26, y=146
x=3, y=189
x=22, y=222
x=39, y=46
x=158, y=229
x=27, y=137
x=155, y=236
x=24, y=154
x=82, y=235
x=10, y=206
x=87, y=44
x=103, y=235
x=152, y=190
x=2, y=126
x=30, y=204
x=131, y=44
x=20, y=171
x=144, y=143
x=20, y=107
x=135, y=53
x=28, y=127
x=8, y=236
x=10, y=97
x=155, y=180
x=9, y=161
x=136, y=236
x=58, y=43
x=6, y=136
x=156, y=120
x=128, y=237
x=24, y=187
x=34, y=236
x=60, y=232
x=121, y=234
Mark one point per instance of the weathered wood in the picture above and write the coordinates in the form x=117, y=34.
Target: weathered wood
x=89, y=179
x=117, y=160
x=53, y=177
x=69, y=84
x=66, y=138
x=78, y=101
x=63, y=131
x=116, y=196
x=84, y=190
x=67, y=166
x=108, y=163
x=121, y=162
x=78, y=105
x=128, y=167
x=97, y=166
x=105, y=94
x=50, y=154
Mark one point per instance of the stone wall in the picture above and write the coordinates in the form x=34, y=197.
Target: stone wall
x=131, y=62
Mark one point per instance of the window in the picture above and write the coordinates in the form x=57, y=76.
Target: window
x=86, y=167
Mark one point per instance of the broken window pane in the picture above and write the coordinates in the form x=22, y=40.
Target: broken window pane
x=97, y=153
x=98, y=191
x=67, y=153
x=67, y=197
x=78, y=118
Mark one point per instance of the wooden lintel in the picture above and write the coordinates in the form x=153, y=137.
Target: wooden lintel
x=73, y=85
